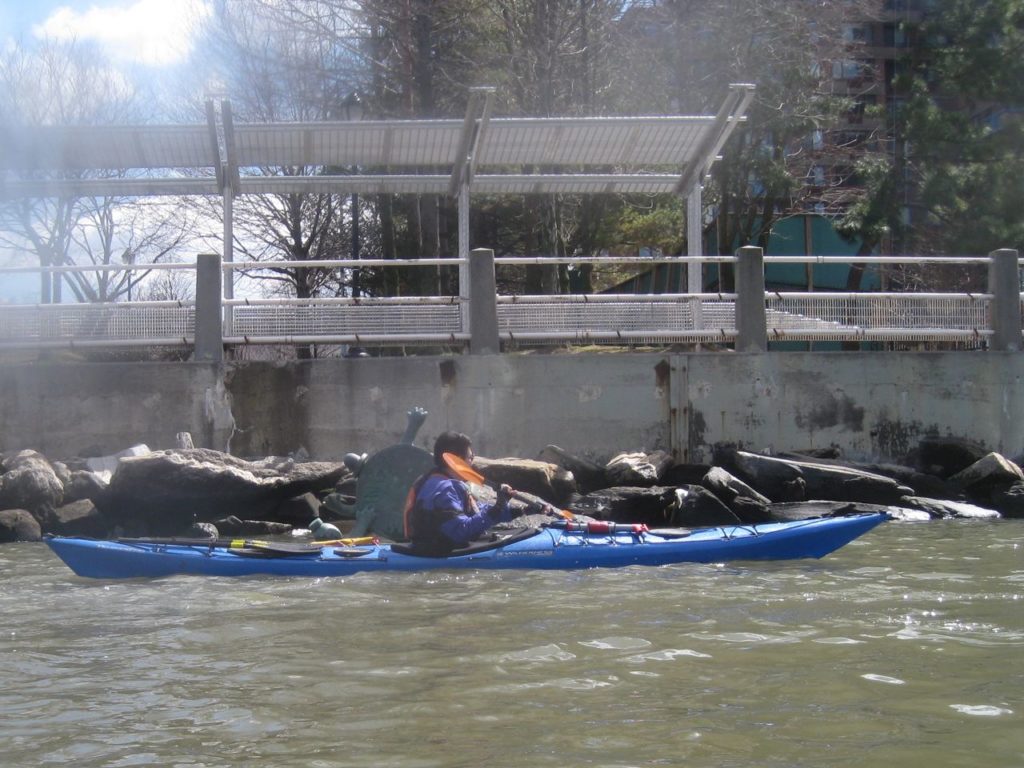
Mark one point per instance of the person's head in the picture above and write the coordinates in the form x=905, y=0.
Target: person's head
x=452, y=442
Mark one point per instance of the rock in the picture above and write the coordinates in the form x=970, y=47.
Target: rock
x=638, y=469
x=1009, y=501
x=18, y=525
x=628, y=504
x=908, y=515
x=697, y=506
x=943, y=508
x=656, y=506
x=804, y=510
x=163, y=493
x=79, y=518
x=685, y=474
x=945, y=456
x=921, y=483
x=780, y=481
x=821, y=481
x=30, y=483
x=233, y=526
x=788, y=512
x=105, y=466
x=63, y=473
x=183, y=440
x=746, y=503
x=991, y=469
x=299, y=510
x=541, y=478
x=82, y=484
x=589, y=475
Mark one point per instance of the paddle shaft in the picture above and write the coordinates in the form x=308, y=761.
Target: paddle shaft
x=462, y=468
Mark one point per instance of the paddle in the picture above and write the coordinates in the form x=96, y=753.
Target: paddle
x=464, y=471
x=275, y=547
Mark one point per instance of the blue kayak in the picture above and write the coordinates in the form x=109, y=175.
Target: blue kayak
x=565, y=546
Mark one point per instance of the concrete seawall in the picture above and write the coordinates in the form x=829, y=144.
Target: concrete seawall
x=870, y=405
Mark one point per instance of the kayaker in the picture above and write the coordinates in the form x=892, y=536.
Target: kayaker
x=441, y=514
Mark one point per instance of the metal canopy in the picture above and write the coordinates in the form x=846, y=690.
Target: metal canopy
x=490, y=156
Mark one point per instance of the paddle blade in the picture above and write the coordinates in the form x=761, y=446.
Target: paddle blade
x=462, y=469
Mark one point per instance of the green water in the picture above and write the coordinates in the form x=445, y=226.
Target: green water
x=906, y=648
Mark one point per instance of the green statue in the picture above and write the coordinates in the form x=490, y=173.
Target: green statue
x=383, y=483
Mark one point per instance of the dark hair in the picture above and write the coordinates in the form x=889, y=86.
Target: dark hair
x=451, y=442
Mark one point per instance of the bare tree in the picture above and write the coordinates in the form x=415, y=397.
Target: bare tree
x=58, y=83
x=276, y=65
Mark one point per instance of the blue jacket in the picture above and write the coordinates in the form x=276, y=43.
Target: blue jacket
x=444, y=512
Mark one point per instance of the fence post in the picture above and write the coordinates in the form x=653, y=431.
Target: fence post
x=209, y=344
x=751, y=323
x=1004, y=285
x=483, y=304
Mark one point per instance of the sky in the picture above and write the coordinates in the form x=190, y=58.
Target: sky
x=152, y=33
x=146, y=35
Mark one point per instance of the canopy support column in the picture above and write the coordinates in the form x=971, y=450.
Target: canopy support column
x=695, y=249
x=465, y=288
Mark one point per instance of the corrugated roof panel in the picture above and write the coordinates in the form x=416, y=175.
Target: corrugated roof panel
x=74, y=148
x=118, y=187
x=378, y=143
x=387, y=184
x=522, y=184
x=635, y=141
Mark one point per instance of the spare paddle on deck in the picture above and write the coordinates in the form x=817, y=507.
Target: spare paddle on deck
x=464, y=471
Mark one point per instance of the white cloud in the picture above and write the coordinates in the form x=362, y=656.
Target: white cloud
x=151, y=32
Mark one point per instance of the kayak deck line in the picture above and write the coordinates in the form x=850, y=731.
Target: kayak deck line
x=551, y=547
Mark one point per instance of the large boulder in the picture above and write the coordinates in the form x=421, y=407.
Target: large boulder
x=781, y=481
x=1010, y=500
x=29, y=482
x=804, y=510
x=164, y=492
x=79, y=518
x=540, y=478
x=990, y=470
x=820, y=481
x=746, y=503
x=637, y=468
x=923, y=484
x=697, y=506
x=82, y=484
x=589, y=475
x=655, y=506
x=943, y=508
x=18, y=525
x=945, y=456
x=627, y=504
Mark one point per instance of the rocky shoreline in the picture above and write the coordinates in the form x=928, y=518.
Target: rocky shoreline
x=199, y=492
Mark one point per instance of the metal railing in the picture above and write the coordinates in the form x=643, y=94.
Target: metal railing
x=477, y=316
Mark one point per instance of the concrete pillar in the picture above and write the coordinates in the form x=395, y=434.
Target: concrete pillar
x=464, y=287
x=694, y=240
x=695, y=248
x=209, y=345
x=483, y=303
x=751, y=323
x=1004, y=285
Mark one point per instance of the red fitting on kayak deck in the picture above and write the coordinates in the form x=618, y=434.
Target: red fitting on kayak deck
x=604, y=527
